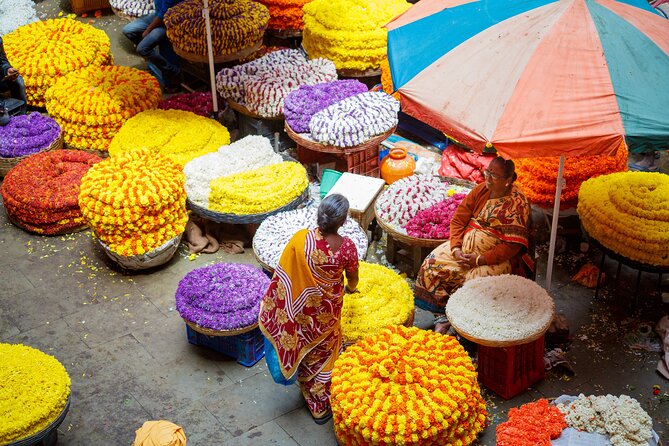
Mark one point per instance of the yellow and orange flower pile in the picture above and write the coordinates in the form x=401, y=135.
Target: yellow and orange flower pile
x=134, y=201
x=628, y=212
x=44, y=51
x=92, y=104
x=537, y=176
x=34, y=391
x=350, y=33
x=387, y=80
x=179, y=135
x=285, y=14
x=406, y=386
x=235, y=25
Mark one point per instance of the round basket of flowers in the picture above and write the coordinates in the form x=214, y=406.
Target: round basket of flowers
x=417, y=210
x=45, y=51
x=41, y=193
x=34, y=397
x=131, y=9
x=135, y=203
x=406, y=386
x=26, y=135
x=275, y=232
x=177, y=134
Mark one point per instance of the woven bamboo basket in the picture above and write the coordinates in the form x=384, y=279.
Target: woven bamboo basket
x=345, y=72
x=157, y=257
x=303, y=140
x=210, y=332
x=284, y=33
x=236, y=106
x=219, y=58
x=264, y=265
x=49, y=434
x=6, y=164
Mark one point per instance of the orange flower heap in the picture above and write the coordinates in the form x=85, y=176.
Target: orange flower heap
x=135, y=201
x=92, y=104
x=45, y=51
x=532, y=424
x=40, y=193
x=387, y=79
x=537, y=176
x=406, y=386
x=285, y=14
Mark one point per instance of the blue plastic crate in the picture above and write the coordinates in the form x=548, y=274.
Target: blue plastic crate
x=247, y=348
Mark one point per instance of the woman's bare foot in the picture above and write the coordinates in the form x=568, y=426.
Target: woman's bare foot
x=441, y=324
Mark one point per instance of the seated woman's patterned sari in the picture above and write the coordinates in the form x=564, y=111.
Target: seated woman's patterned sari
x=495, y=228
x=300, y=313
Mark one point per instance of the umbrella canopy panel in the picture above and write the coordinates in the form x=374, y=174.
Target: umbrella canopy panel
x=537, y=77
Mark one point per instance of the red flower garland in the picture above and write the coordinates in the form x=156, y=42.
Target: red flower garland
x=532, y=424
x=41, y=193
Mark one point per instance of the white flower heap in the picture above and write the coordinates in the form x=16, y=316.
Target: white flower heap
x=621, y=418
x=262, y=84
x=248, y=153
x=275, y=232
x=134, y=8
x=406, y=197
x=500, y=308
x=355, y=120
x=16, y=13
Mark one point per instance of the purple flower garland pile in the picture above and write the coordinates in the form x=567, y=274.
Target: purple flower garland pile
x=197, y=102
x=27, y=135
x=300, y=105
x=223, y=296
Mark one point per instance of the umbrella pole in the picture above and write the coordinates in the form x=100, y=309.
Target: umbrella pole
x=210, y=53
x=554, y=225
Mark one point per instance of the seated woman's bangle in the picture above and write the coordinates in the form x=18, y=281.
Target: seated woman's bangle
x=477, y=260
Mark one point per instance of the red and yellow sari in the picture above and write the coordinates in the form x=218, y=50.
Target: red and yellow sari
x=300, y=313
x=494, y=228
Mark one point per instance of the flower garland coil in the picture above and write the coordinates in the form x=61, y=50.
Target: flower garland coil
x=177, y=134
x=35, y=393
x=129, y=9
x=628, y=213
x=406, y=386
x=92, y=104
x=285, y=14
x=235, y=25
x=45, y=51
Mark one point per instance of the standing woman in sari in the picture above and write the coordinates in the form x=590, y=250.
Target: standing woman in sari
x=300, y=313
x=489, y=237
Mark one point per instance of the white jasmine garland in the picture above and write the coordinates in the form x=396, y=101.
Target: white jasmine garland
x=501, y=308
x=621, y=418
x=355, y=120
x=135, y=8
x=16, y=13
x=406, y=197
x=275, y=232
x=248, y=153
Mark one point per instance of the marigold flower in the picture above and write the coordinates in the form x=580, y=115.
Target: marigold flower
x=532, y=424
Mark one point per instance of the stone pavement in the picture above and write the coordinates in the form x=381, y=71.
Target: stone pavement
x=124, y=345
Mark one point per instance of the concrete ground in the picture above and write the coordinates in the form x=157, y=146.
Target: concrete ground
x=125, y=347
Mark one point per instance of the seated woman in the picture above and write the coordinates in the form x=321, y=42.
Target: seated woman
x=489, y=236
x=300, y=313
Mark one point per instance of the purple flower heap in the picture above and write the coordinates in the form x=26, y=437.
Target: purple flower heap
x=27, y=134
x=301, y=104
x=224, y=296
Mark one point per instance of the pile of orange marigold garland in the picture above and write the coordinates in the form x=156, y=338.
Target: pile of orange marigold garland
x=532, y=424
x=406, y=386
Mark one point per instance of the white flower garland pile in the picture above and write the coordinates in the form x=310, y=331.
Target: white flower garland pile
x=16, y=13
x=621, y=418
x=406, y=197
x=355, y=120
x=501, y=308
x=135, y=8
x=248, y=153
x=275, y=232
x=262, y=84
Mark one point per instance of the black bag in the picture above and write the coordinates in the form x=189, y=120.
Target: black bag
x=4, y=113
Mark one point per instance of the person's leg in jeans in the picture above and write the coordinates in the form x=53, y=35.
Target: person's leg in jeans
x=17, y=90
x=147, y=49
x=134, y=30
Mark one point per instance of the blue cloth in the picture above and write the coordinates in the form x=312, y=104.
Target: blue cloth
x=163, y=5
x=4, y=63
x=272, y=361
x=155, y=47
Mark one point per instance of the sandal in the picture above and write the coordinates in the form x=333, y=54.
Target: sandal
x=554, y=359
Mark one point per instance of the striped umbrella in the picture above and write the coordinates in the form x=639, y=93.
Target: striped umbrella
x=536, y=77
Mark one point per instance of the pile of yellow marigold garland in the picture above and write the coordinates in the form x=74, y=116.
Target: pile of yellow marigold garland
x=177, y=134
x=235, y=25
x=350, y=33
x=384, y=298
x=628, y=212
x=259, y=190
x=537, y=176
x=91, y=104
x=285, y=14
x=34, y=391
x=406, y=386
x=387, y=79
x=45, y=51
x=134, y=201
